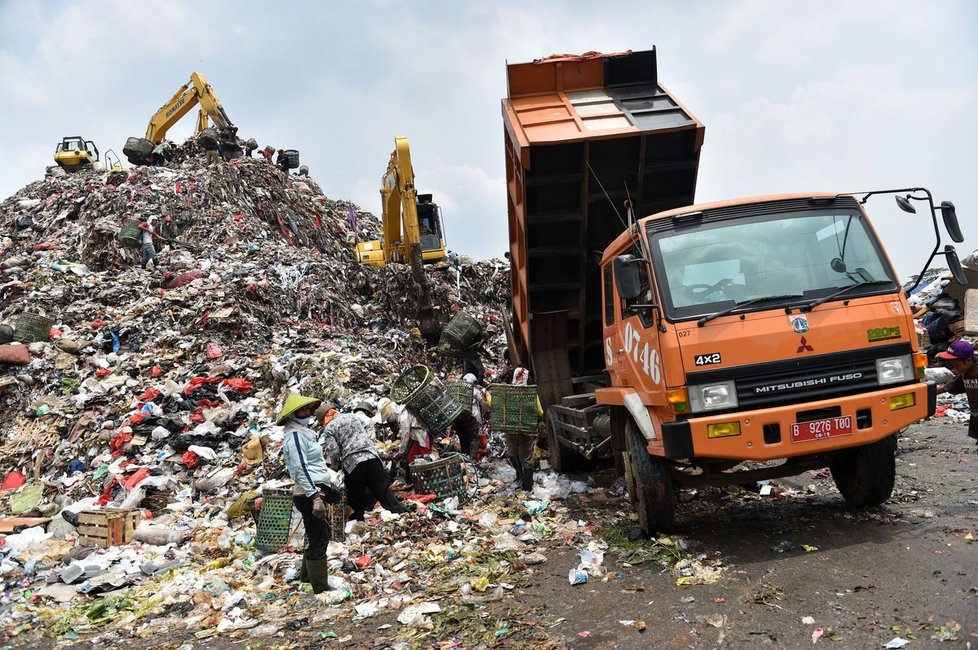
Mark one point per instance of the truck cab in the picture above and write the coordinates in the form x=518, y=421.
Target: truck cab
x=770, y=329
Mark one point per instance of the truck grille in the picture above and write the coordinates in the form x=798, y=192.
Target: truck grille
x=782, y=383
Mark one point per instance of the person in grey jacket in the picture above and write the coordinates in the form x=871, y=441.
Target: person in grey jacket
x=315, y=485
x=350, y=448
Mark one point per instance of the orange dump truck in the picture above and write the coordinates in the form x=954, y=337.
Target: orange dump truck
x=705, y=344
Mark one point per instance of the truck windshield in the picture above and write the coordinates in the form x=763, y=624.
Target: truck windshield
x=708, y=267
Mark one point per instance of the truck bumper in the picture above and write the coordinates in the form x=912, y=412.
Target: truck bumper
x=766, y=434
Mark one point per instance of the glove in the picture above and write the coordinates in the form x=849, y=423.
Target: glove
x=318, y=508
x=330, y=494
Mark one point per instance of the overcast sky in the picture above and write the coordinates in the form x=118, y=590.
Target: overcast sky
x=795, y=96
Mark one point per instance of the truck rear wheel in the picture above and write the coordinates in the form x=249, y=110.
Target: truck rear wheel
x=865, y=475
x=653, y=496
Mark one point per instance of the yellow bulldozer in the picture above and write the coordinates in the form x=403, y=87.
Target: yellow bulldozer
x=75, y=153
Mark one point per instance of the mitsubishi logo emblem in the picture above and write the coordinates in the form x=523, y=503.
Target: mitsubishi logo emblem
x=804, y=347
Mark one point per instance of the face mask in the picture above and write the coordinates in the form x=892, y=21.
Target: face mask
x=304, y=419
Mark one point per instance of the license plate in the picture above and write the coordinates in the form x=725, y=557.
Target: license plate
x=821, y=429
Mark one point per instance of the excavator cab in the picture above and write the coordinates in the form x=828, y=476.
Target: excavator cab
x=75, y=153
x=432, y=229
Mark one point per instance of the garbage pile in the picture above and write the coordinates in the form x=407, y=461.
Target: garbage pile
x=140, y=389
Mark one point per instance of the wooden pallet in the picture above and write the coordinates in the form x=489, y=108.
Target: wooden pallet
x=106, y=528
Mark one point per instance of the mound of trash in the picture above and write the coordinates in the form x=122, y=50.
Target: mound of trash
x=135, y=389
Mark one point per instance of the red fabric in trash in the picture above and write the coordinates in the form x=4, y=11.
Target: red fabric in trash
x=420, y=498
x=135, y=478
x=117, y=443
x=238, y=384
x=14, y=355
x=156, y=372
x=197, y=382
x=190, y=459
x=136, y=418
x=12, y=481
x=416, y=450
x=183, y=279
x=106, y=495
x=45, y=246
x=364, y=561
x=149, y=395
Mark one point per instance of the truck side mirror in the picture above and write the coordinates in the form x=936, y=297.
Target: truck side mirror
x=951, y=222
x=905, y=204
x=627, y=279
x=954, y=264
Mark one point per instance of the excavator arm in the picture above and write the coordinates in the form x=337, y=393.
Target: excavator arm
x=193, y=93
x=402, y=232
x=400, y=203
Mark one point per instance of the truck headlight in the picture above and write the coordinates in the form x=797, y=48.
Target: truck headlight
x=894, y=370
x=713, y=397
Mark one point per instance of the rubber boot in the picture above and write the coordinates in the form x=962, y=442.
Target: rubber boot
x=317, y=571
x=518, y=466
x=303, y=572
x=527, y=479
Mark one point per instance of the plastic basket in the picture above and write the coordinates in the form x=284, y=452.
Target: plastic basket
x=513, y=408
x=459, y=333
x=461, y=391
x=31, y=328
x=443, y=477
x=336, y=516
x=292, y=156
x=274, y=521
x=424, y=394
x=130, y=236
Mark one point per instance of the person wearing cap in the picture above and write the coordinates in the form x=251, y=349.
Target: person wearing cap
x=468, y=425
x=147, y=251
x=350, y=448
x=520, y=446
x=414, y=439
x=960, y=355
x=315, y=484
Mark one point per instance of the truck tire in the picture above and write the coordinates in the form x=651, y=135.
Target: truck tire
x=653, y=498
x=865, y=475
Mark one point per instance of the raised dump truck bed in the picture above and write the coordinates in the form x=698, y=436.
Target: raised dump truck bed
x=583, y=136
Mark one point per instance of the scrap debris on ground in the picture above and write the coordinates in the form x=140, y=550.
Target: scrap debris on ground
x=149, y=382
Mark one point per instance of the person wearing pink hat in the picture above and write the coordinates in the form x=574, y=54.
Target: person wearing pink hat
x=960, y=355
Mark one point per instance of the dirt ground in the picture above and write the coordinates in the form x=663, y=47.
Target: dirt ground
x=791, y=567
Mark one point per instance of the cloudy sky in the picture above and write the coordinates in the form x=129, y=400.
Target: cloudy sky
x=795, y=96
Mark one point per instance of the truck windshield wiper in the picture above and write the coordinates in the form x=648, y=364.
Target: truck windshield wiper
x=744, y=303
x=815, y=303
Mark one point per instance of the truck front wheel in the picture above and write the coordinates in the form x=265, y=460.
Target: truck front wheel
x=653, y=497
x=865, y=475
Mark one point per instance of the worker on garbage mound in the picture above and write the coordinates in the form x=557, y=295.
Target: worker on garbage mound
x=960, y=355
x=349, y=447
x=315, y=485
x=468, y=425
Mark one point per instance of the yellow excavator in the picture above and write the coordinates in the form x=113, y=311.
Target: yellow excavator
x=413, y=231
x=196, y=92
x=75, y=153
